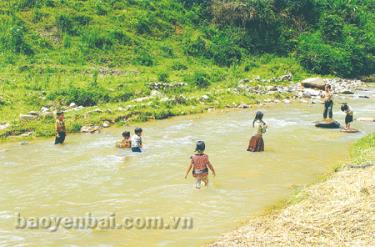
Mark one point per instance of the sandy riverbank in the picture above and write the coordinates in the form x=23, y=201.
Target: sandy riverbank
x=337, y=212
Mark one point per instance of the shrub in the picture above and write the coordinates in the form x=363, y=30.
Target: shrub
x=121, y=37
x=80, y=96
x=201, y=79
x=163, y=77
x=225, y=52
x=179, y=66
x=12, y=37
x=196, y=47
x=167, y=51
x=95, y=38
x=71, y=24
x=332, y=27
x=101, y=8
x=323, y=58
x=144, y=58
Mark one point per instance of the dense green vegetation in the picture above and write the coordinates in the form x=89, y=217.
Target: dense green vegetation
x=96, y=52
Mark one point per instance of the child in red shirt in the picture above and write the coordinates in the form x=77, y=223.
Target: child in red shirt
x=200, y=165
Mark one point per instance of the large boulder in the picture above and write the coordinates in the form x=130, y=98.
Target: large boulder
x=316, y=83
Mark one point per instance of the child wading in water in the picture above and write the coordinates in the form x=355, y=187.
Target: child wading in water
x=328, y=103
x=200, y=165
x=60, y=128
x=126, y=142
x=136, y=142
x=349, y=115
x=256, y=143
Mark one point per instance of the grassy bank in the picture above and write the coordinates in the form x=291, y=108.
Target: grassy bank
x=122, y=95
x=335, y=212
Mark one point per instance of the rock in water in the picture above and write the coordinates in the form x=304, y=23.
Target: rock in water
x=316, y=83
x=90, y=129
x=106, y=124
x=328, y=125
x=349, y=130
x=366, y=119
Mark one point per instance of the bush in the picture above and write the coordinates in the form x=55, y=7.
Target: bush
x=12, y=37
x=96, y=39
x=323, y=58
x=332, y=27
x=144, y=58
x=71, y=24
x=121, y=38
x=163, y=77
x=224, y=51
x=179, y=66
x=196, y=47
x=80, y=96
x=201, y=79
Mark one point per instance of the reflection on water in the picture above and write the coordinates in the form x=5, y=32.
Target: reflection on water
x=89, y=175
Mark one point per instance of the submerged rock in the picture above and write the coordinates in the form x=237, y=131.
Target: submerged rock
x=366, y=119
x=90, y=129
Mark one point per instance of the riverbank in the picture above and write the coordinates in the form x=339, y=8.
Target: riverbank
x=336, y=212
x=163, y=100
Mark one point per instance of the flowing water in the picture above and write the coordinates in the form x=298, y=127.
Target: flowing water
x=89, y=175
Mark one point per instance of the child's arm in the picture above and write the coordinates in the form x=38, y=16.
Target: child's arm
x=188, y=169
x=211, y=168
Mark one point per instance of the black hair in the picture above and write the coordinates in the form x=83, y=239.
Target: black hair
x=344, y=107
x=200, y=147
x=126, y=134
x=138, y=130
x=258, y=116
x=59, y=113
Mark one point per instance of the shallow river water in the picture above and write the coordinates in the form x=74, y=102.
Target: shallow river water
x=89, y=175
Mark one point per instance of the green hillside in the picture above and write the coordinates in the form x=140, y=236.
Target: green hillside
x=105, y=53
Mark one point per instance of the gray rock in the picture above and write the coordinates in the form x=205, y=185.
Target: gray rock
x=28, y=117
x=90, y=129
x=34, y=113
x=205, y=97
x=366, y=119
x=316, y=83
x=106, y=124
x=243, y=106
x=44, y=109
x=245, y=80
x=27, y=134
x=4, y=126
x=73, y=105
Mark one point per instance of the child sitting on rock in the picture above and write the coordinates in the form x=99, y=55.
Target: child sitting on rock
x=349, y=115
x=200, y=165
x=126, y=141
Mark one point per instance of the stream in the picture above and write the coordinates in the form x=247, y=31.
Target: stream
x=89, y=175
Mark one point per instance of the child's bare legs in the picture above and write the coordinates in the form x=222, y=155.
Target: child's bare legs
x=205, y=180
x=348, y=126
x=198, y=183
